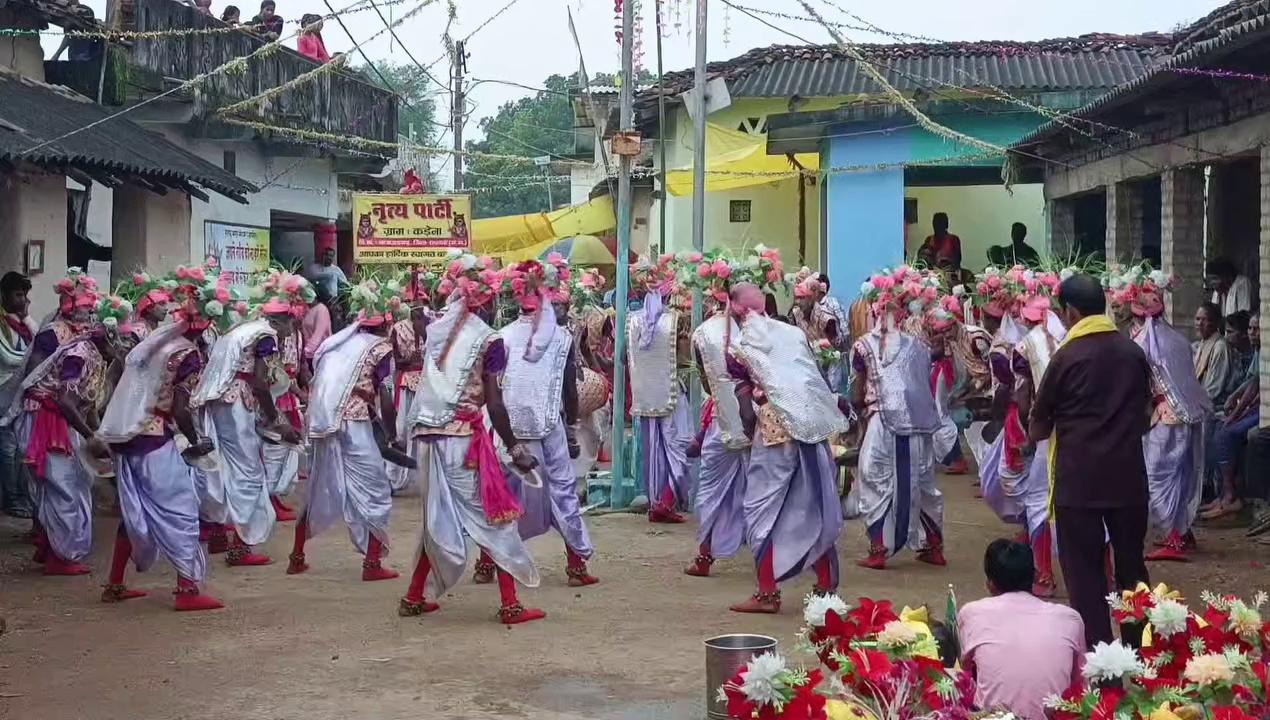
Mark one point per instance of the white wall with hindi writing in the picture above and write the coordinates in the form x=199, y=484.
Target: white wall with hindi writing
x=302, y=185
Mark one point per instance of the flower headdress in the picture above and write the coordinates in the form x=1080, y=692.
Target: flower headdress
x=144, y=291
x=112, y=311
x=586, y=287
x=77, y=289
x=900, y=293
x=284, y=293
x=375, y=301
x=472, y=278
x=713, y=273
x=1141, y=288
x=807, y=283
x=416, y=283
x=1037, y=290
x=655, y=277
x=533, y=284
x=946, y=312
x=203, y=296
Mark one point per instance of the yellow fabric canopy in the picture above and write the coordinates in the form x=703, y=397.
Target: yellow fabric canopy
x=735, y=160
x=513, y=238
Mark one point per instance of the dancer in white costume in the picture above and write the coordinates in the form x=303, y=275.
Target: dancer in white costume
x=465, y=494
x=235, y=407
x=895, y=491
x=540, y=390
x=406, y=337
x=50, y=413
x=351, y=396
x=158, y=496
x=282, y=462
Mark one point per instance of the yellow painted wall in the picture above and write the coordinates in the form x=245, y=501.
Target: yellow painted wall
x=774, y=206
x=981, y=216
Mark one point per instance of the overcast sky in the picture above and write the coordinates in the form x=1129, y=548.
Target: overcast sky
x=531, y=39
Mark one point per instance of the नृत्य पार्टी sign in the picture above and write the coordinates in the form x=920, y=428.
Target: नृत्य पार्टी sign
x=409, y=229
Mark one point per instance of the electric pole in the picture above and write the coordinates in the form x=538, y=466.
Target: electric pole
x=459, y=66
x=617, y=494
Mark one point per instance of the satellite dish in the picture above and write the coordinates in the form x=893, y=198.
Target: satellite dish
x=717, y=97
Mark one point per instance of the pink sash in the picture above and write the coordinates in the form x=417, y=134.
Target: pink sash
x=500, y=505
x=50, y=434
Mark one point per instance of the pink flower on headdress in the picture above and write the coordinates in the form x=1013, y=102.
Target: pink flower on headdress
x=771, y=255
x=555, y=258
x=292, y=284
x=196, y=273
x=240, y=307
x=993, y=282
x=824, y=344
x=182, y=272
x=65, y=285
x=665, y=258
x=456, y=268
x=212, y=261
x=489, y=277
x=138, y=279
x=485, y=261
x=722, y=269
x=115, y=301
x=929, y=294
x=446, y=287
x=774, y=275
x=590, y=281
x=518, y=285
x=222, y=295
x=883, y=282
x=705, y=271
x=1035, y=308
x=693, y=257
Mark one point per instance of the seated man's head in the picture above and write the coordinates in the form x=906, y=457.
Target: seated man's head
x=1018, y=232
x=1221, y=274
x=1008, y=567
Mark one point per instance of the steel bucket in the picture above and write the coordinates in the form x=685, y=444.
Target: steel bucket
x=725, y=655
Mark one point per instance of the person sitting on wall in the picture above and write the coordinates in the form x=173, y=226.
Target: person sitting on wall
x=310, y=43
x=1018, y=252
x=268, y=23
x=942, y=249
x=1231, y=291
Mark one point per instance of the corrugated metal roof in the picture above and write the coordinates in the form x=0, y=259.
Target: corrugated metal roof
x=33, y=112
x=1040, y=72
x=1228, y=38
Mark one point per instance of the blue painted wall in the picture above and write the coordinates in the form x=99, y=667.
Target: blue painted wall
x=864, y=210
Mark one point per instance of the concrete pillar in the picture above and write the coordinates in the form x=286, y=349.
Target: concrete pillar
x=150, y=232
x=1062, y=227
x=1182, y=242
x=33, y=208
x=1265, y=281
x=22, y=53
x=1124, y=224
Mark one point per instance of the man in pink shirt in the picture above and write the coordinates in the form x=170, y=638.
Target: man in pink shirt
x=316, y=326
x=1019, y=648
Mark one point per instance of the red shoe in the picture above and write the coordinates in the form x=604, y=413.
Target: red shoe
x=410, y=608
x=603, y=456
x=217, y=543
x=932, y=556
x=665, y=515
x=54, y=565
x=579, y=577
x=516, y=614
x=372, y=570
x=483, y=573
x=113, y=593
x=1167, y=554
x=959, y=467
x=296, y=564
x=204, y=532
x=760, y=603
x=875, y=560
x=189, y=599
x=243, y=557
x=283, y=513
x=700, y=566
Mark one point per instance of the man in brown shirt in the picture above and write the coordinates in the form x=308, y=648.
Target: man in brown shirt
x=1094, y=403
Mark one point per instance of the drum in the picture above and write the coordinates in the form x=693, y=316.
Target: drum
x=593, y=392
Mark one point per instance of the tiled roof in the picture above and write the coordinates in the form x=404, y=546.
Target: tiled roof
x=115, y=151
x=1227, y=29
x=67, y=14
x=1089, y=62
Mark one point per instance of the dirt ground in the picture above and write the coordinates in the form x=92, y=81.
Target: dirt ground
x=325, y=646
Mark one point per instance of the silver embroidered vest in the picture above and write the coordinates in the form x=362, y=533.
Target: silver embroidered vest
x=440, y=390
x=780, y=362
x=709, y=342
x=901, y=367
x=1037, y=347
x=654, y=383
x=532, y=390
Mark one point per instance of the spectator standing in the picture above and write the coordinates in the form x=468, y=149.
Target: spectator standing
x=310, y=43
x=16, y=335
x=232, y=15
x=1093, y=405
x=1019, y=648
x=268, y=22
x=1231, y=291
x=1211, y=353
x=325, y=274
x=316, y=326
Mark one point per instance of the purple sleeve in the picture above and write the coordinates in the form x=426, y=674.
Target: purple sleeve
x=1001, y=368
x=1020, y=365
x=495, y=357
x=266, y=347
x=382, y=370
x=71, y=368
x=46, y=342
x=191, y=364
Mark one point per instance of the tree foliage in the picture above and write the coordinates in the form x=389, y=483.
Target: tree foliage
x=416, y=106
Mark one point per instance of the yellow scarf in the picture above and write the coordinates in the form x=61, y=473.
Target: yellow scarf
x=1091, y=325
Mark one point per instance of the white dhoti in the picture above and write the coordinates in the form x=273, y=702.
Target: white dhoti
x=555, y=504
x=402, y=479
x=452, y=510
x=282, y=465
x=720, y=502
x=895, y=490
x=593, y=432
x=63, y=498
x=349, y=483
x=237, y=492
x=1174, y=459
x=160, y=505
